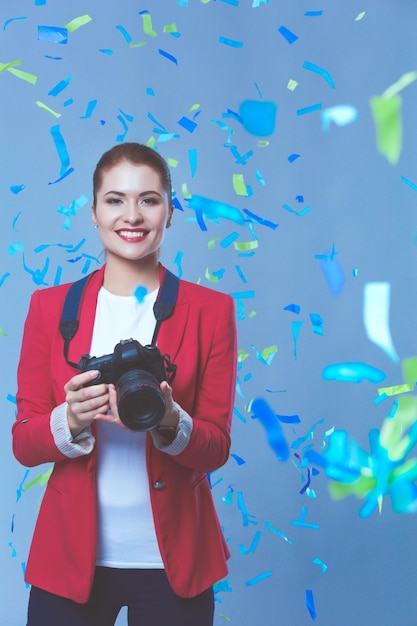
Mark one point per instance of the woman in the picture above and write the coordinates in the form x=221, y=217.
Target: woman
x=127, y=518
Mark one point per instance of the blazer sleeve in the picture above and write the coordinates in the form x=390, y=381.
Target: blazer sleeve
x=209, y=445
x=33, y=442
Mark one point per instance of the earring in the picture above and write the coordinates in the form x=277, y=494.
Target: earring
x=95, y=225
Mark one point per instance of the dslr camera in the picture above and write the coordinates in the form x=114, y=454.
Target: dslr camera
x=136, y=371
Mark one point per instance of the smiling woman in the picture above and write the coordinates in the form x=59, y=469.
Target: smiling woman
x=127, y=518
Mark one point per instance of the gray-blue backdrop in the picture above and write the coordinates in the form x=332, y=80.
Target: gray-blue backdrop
x=284, y=198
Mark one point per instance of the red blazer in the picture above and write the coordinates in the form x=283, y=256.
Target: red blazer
x=200, y=337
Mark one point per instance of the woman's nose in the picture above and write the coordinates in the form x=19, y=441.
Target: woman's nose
x=133, y=213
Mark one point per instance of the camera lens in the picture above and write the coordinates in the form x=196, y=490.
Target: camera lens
x=140, y=401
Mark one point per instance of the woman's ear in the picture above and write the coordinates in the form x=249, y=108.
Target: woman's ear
x=93, y=216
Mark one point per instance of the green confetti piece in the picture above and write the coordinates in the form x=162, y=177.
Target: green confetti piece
x=7, y=66
x=405, y=80
x=77, y=23
x=239, y=185
x=386, y=113
x=147, y=25
x=245, y=245
x=43, y=106
x=396, y=389
x=29, y=78
x=3, y=333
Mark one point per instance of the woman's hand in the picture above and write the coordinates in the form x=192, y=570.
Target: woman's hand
x=85, y=403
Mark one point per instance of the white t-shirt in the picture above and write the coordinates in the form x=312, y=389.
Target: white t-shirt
x=126, y=532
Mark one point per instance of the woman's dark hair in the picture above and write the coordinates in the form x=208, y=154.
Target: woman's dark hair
x=136, y=154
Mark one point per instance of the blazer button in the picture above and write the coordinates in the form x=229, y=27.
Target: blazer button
x=159, y=484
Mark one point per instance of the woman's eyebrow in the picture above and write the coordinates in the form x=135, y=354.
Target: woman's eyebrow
x=122, y=193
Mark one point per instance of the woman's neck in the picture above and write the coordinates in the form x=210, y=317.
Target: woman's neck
x=122, y=277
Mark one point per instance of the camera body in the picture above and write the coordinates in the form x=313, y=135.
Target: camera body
x=136, y=371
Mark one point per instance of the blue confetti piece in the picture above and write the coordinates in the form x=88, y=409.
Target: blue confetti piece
x=168, y=56
x=319, y=70
x=150, y=91
x=332, y=271
x=317, y=323
x=260, y=220
x=62, y=151
x=242, y=508
x=15, y=247
x=237, y=295
x=354, y=372
x=301, y=521
x=227, y=241
x=188, y=124
x=233, y=115
x=68, y=102
x=258, y=579
x=11, y=398
x=275, y=437
x=155, y=121
x=124, y=32
x=289, y=419
x=313, y=13
x=293, y=157
x=294, y=308
x=287, y=34
x=63, y=84
x=47, y=56
x=241, y=274
x=238, y=459
x=19, y=490
x=309, y=109
x=231, y=42
x=140, y=293
x=58, y=275
x=213, y=209
x=121, y=137
x=12, y=19
x=39, y=3
x=409, y=183
x=310, y=604
x=3, y=278
x=295, y=329
x=192, y=158
x=17, y=189
x=245, y=551
x=90, y=108
x=297, y=213
x=258, y=117
x=53, y=34
x=320, y=563
x=178, y=261
x=277, y=532
x=106, y=51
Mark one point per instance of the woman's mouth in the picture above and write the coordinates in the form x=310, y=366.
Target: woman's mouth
x=132, y=235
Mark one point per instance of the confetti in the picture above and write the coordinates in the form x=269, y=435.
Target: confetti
x=63, y=84
x=309, y=109
x=319, y=70
x=53, y=34
x=12, y=19
x=147, y=24
x=43, y=106
x=287, y=34
x=258, y=579
x=168, y=56
x=376, y=317
x=258, y=117
x=310, y=604
x=355, y=372
x=231, y=42
x=340, y=115
x=275, y=437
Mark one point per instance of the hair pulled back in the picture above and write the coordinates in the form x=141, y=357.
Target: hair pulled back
x=136, y=154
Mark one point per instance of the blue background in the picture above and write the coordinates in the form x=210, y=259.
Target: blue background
x=358, y=203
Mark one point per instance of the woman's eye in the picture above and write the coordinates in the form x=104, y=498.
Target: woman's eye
x=149, y=201
x=113, y=201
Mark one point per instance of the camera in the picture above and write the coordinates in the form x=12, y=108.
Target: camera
x=136, y=371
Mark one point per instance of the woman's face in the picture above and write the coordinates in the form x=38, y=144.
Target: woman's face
x=132, y=212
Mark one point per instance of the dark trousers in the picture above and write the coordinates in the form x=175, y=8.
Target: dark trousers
x=146, y=593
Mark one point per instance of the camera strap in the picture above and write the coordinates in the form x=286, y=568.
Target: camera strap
x=162, y=308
